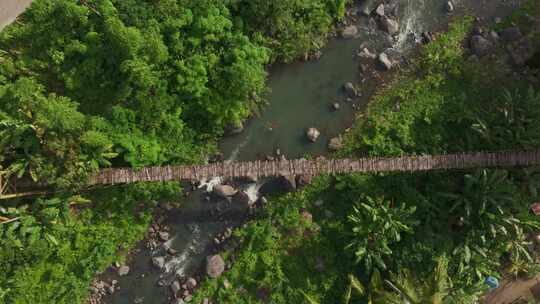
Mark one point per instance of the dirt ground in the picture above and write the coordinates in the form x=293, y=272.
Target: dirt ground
x=512, y=291
x=10, y=9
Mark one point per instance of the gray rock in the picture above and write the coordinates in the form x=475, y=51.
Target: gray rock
x=158, y=262
x=226, y=284
x=366, y=53
x=350, y=89
x=123, y=270
x=385, y=61
x=349, y=32
x=335, y=143
x=449, y=6
x=522, y=51
x=215, y=266
x=493, y=36
x=388, y=25
x=288, y=183
x=511, y=34
x=164, y=236
x=313, y=134
x=224, y=191
x=427, y=37
x=481, y=46
x=176, y=287
x=206, y=301
x=236, y=128
x=367, y=6
x=241, y=198
x=336, y=106
x=379, y=11
x=191, y=283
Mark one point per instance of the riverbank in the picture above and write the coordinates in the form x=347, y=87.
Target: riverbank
x=11, y=9
x=325, y=245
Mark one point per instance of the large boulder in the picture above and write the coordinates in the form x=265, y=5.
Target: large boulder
x=176, y=287
x=388, y=25
x=349, y=32
x=242, y=199
x=191, y=283
x=281, y=184
x=521, y=51
x=164, y=236
x=449, y=7
x=511, y=34
x=385, y=61
x=215, y=266
x=158, y=262
x=350, y=89
x=366, y=53
x=313, y=134
x=235, y=128
x=123, y=270
x=288, y=183
x=224, y=191
x=367, y=6
x=481, y=46
x=379, y=11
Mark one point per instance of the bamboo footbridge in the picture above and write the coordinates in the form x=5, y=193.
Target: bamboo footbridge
x=259, y=169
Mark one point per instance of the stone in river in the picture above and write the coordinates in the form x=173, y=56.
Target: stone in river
x=379, y=11
x=163, y=236
x=385, y=61
x=388, y=25
x=313, y=134
x=158, y=262
x=191, y=283
x=349, y=32
x=224, y=191
x=175, y=287
x=336, y=106
x=123, y=270
x=215, y=266
x=449, y=6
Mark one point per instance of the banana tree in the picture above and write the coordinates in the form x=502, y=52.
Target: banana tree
x=375, y=226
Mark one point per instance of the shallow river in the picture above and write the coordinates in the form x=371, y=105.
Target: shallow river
x=301, y=97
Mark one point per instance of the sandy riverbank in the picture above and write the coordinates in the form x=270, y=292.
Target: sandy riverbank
x=10, y=9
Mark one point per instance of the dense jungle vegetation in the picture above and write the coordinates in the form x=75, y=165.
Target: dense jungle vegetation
x=97, y=83
x=407, y=238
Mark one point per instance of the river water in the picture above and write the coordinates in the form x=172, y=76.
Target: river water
x=301, y=97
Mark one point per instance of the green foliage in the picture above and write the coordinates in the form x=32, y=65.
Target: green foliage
x=289, y=28
x=376, y=224
x=57, y=246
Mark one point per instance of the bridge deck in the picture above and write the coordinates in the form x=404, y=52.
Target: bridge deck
x=318, y=166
